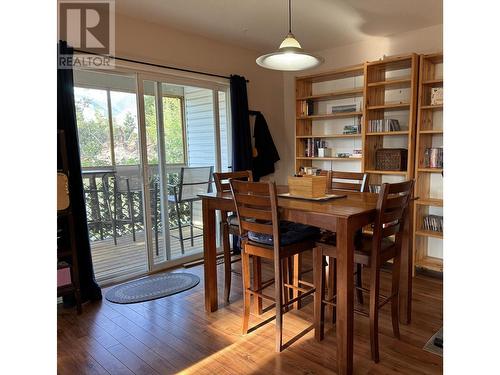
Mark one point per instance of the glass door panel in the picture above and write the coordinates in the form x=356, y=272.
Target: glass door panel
x=110, y=156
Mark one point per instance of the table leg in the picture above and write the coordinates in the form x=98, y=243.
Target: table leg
x=209, y=254
x=345, y=296
x=406, y=269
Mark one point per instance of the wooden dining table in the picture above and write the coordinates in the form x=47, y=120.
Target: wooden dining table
x=343, y=216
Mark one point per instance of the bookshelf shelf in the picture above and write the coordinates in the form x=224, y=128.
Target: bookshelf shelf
x=428, y=180
x=332, y=158
x=430, y=263
x=429, y=202
x=396, y=173
x=429, y=233
x=330, y=116
x=358, y=91
x=431, y=107
x=435, y=82
x=401, y=132
x=430, y=170
x=437, y=131
x=392, y=83
x=329, y=136
x=394, y=106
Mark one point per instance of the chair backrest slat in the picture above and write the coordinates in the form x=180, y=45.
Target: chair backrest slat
x=257, y=208
x=222, y=179
x=392, y=208
x=256, y=227
x=349, y=181
x=255, y=213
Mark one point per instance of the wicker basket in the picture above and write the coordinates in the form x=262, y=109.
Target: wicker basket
x=391, y=159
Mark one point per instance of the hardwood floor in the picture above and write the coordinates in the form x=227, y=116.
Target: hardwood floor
x=175, y=335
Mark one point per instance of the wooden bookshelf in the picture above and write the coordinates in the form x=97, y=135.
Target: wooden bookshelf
x=427, y=244
x=323, y=90
x=390, y=93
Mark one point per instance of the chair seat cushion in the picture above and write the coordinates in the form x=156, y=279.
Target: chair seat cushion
x=290, y=233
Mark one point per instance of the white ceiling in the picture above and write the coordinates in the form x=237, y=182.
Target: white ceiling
x=261, y=25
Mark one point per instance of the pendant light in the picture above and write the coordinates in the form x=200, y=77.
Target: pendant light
x=290, y=56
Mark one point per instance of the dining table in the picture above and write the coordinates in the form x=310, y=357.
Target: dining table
x=344, y=216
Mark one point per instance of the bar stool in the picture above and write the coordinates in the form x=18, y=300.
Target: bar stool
x=229, y=223
x=372, y=251
x=263, y=235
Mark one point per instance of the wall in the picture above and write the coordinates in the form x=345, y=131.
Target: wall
x=150, y=42
x=425, y=40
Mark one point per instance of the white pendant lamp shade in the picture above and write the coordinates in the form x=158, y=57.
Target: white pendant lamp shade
x=290, y=56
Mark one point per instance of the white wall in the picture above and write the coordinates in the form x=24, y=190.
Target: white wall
x=425, y=40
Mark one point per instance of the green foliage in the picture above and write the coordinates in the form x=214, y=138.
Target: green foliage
x=93, y=135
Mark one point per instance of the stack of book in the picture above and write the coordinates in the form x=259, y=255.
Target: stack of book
x=433, y=157
x=312, y=146
x=383, y=125
x=374, y=188
x=307, y=108
x=352, y=129
x=433, y=223
x=356, y=107
x=357, y=153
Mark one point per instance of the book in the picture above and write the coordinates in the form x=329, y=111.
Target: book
x=383, y=125
x=433, y=223
x=433, y=157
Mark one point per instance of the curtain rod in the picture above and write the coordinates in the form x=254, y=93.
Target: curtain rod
x=155, y=65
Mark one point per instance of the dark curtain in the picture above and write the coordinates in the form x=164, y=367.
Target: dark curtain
x=267, y=154
x=66, y=120
x=241, y=136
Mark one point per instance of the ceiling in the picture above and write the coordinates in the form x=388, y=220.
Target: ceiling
x=261, y=25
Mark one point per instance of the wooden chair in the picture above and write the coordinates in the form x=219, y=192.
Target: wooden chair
x=349, y=181
x=229, y=223
x=373, y=251
x=263, y=235
x=346, y=181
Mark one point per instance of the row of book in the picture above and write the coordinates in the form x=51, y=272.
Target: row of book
x=383, y=125
x=307, y=108
x=312, y=146
x=433, y=157
x=433, y=223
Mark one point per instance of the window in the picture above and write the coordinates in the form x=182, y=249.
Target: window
x=93, y=127
x=175, y=147
x=104, y=145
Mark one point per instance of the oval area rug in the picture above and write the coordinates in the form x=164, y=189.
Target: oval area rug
x=152, y=287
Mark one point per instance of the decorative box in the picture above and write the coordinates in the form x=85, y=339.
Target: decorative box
x=307, y=186
x=437, y=96
x=391, y=159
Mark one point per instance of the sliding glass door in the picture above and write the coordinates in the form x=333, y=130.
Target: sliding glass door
x=149, y=145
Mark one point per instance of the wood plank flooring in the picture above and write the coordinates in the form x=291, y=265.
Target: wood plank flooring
x=128, y=258
x=175, y=335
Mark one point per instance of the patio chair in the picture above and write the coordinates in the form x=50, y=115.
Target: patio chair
x=128, y=181
x=192, y=181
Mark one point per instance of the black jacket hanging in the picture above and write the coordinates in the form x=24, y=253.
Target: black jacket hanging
x=265, y=153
